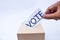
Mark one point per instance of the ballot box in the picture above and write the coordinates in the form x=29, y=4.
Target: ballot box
x=31, y=29
x=31, y=33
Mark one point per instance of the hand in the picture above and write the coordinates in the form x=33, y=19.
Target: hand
x=53, y=11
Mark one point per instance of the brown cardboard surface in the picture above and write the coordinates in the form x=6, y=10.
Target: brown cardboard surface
x=34, y=33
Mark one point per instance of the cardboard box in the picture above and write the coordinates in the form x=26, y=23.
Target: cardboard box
x=33, y=33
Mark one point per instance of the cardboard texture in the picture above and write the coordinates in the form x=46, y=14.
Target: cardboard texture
x=33, y=33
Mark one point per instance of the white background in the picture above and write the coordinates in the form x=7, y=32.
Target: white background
x=14, y=12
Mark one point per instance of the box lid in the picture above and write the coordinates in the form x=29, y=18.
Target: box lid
x=27, y=30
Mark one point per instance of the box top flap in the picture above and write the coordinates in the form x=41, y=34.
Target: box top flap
x=26, y=30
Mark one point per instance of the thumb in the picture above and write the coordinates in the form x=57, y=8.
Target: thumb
x=49, y=16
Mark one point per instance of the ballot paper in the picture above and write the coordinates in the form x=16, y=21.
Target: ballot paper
x=34, y=19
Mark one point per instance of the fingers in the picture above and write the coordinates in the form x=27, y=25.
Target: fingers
x=51, y=9
x=51, y=12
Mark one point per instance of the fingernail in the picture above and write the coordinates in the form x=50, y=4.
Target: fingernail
x=44, y=15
